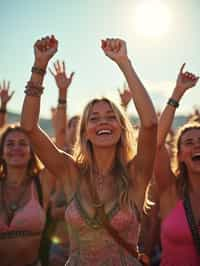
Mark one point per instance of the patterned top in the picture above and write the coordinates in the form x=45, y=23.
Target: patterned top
x=29, y=218
x=91, y=244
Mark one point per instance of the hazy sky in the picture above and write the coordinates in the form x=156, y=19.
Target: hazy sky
x=158, y=42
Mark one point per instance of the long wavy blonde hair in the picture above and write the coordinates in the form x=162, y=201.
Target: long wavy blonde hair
x=126, y=147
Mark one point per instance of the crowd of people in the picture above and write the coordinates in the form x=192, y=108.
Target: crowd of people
x=102, y=191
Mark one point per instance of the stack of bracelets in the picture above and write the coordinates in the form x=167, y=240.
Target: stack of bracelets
x=33, y=89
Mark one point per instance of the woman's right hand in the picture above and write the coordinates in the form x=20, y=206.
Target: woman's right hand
x=44, y=50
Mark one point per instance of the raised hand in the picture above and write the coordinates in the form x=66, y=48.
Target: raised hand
x=5, y=95
x=125, y=96
x=44, y=50
x=62, y=80
x=185, y=80
x=115, y=49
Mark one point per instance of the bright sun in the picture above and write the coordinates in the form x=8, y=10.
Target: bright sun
x=152, y=18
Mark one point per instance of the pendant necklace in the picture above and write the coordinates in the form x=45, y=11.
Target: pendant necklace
x=13, y=206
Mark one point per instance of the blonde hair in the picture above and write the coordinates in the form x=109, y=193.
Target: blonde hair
x=126, y=147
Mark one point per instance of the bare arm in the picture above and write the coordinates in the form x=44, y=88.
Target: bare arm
x=56, y=161
x=163, y=172
x=116, y=50
x=63, y=82
x=185, y=81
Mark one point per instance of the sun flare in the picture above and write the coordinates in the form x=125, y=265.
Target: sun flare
x=152, y=18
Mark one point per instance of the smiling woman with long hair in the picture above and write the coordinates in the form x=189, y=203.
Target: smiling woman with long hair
x=178, y=180
x=22, y=218
x=106, y=178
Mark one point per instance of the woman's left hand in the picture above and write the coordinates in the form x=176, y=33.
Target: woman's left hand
x=185, y=80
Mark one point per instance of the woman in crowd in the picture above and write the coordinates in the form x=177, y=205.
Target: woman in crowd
x=180, y=185
x=22, y=218
x=59, y=236
x=106, y=178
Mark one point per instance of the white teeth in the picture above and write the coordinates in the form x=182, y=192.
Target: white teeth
x=104, y=131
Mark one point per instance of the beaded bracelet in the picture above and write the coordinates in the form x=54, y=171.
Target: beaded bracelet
x=33, y=90
x=173, y=102
x=38, y=71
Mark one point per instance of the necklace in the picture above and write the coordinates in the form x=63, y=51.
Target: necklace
x=14, y=205
x=99, y=182
x=99, y=178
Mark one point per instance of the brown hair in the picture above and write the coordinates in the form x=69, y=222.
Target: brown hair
x=180, y=168
x=34, y=165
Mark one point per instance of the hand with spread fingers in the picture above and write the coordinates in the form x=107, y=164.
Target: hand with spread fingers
x=5, y=95
x=62, y=80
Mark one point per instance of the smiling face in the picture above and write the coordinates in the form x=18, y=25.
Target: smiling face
x=189, y=152
x=16, y=149
x=103, y=128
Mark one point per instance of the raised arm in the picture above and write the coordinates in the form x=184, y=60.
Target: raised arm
x=56, y=161
x=185, y=81
x=163, y=173
x=5, y=97
x=116, y=50
x=63, y=81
